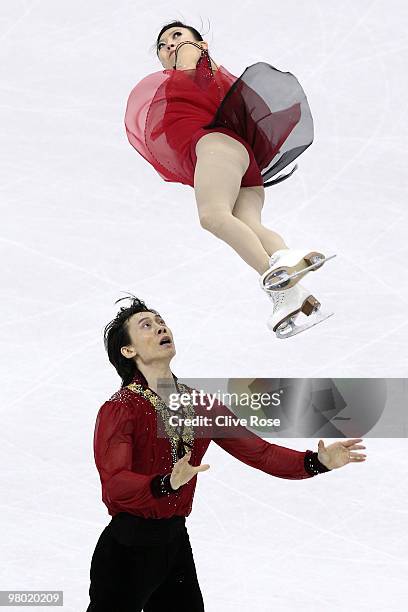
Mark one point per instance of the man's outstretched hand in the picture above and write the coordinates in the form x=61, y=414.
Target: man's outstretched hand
x=340, y=453
x=183, y=471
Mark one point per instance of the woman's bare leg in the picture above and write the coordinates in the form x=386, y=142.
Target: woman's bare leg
x=248, y=208
x=221, y=163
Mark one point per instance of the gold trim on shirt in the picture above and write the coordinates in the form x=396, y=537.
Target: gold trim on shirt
x=161, y=407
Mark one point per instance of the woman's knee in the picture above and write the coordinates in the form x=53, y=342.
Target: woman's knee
x=249, y=220
x=214, y=222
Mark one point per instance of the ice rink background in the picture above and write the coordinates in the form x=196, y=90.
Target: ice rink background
x=85, y=218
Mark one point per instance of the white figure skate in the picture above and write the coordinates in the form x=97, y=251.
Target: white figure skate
x=288, y=305
x=288, y=266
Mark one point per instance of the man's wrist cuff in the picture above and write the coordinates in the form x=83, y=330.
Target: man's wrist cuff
x=312, y=464
x=160, y=486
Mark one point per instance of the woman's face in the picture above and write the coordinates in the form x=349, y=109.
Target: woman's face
x=168, y=42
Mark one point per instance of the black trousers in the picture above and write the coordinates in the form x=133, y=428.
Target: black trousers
x=144, y=564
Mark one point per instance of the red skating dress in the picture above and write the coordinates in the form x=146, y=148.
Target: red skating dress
x=265, y=109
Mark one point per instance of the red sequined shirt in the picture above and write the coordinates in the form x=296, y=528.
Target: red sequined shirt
x=129, y=454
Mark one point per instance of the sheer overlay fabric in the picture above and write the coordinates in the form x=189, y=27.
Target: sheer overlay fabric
x=265, y=109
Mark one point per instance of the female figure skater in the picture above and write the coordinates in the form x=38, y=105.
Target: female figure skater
x=199, y=125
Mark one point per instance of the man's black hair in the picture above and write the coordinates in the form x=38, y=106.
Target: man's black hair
x=178, y=24
x=116, y=335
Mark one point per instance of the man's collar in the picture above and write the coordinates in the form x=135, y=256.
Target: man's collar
x=139, y=379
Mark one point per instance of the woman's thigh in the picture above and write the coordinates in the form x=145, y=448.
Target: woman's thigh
x=221, y=163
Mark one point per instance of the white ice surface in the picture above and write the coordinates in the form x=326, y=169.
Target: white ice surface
x=84, y=218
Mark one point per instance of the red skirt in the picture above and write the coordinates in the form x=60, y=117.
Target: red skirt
x=264, y=109
x=252, y=176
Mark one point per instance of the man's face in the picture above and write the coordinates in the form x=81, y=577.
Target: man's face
x=151, y=339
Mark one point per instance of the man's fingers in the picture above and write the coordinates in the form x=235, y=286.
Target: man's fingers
x=196, y=468
x=186, y=458
x=351, y=442
x=201, y=468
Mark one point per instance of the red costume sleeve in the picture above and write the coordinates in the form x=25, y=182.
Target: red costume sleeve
x=252, y=450
x=122, y=488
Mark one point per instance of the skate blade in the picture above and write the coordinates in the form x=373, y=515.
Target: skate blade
x=289, y=328
x=286, y=280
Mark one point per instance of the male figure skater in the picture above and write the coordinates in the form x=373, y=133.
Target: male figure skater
x=143, y=558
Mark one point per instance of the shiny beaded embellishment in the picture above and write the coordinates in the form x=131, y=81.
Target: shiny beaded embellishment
x=164, y=411
x=313, y=465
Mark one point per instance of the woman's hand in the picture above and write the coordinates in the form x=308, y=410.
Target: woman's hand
x=183, y=471
x=187, y=55
x=340, y=453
